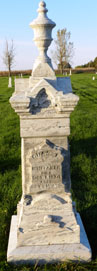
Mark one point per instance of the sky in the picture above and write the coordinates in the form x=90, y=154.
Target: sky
x=78, y=16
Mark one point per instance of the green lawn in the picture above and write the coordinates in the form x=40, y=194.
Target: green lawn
x=83, y=147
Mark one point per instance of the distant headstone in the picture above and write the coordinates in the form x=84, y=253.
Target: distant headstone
x=21, y=75
x=70, y=73
x=10, y=83
x=93, y=78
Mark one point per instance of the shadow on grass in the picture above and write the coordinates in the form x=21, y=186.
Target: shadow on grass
x=89, y=218
x=87, y=146
x=84, y=184
x=9, y=164
x=82, y=196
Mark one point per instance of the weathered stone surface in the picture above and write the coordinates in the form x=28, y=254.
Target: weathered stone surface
x=28, y=170
x=48, y=253
x=46, y=220
x=45, y=161
x=21, y=84
x=46, y=95
x=47, y=227
x=44, y=128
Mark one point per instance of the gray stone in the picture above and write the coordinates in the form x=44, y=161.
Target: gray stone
x=48, y=253
x=43, y=36
x=47, y=227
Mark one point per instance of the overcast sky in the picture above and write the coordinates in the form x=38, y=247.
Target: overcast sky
x=78, y=16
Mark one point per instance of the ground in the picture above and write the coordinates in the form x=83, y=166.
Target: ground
x=83, y=148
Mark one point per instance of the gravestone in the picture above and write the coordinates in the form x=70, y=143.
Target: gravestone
x=93, y=78
x=47, y=227
x=10, y=83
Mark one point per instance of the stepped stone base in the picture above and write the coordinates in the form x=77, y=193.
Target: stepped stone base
x=47, y=254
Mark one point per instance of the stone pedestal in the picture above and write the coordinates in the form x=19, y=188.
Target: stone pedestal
x=47, y=227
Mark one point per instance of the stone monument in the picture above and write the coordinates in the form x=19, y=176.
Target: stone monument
x=47, y=227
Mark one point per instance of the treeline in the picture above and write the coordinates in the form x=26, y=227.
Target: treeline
x=15, y=73
x=90, y=64
x=66, y=71
x=76, y=70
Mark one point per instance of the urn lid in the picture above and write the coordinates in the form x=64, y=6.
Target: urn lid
x=42, y=19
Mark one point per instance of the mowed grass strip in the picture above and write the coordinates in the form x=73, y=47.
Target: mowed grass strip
x=83, y=147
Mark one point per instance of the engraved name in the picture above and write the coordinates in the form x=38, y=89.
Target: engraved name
x=55, y=167
x=44, y=154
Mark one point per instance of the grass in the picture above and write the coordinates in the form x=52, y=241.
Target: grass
x=83, y=141
x=83, y=147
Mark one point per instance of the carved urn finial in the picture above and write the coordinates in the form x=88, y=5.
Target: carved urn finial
x=42, y=26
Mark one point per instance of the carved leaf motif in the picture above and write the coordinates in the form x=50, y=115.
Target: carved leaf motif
x=40, y=102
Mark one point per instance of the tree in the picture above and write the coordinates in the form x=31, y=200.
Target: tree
x=9, y=56
x=64, y=49
x=95, y=63
x=90, y=64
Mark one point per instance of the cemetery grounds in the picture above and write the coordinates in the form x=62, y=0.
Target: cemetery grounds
x=83, y=149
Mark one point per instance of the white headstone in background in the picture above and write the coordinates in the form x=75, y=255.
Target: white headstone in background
x=70, y=73
x=10, y=82
x=93, y=78
x=47, y=227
